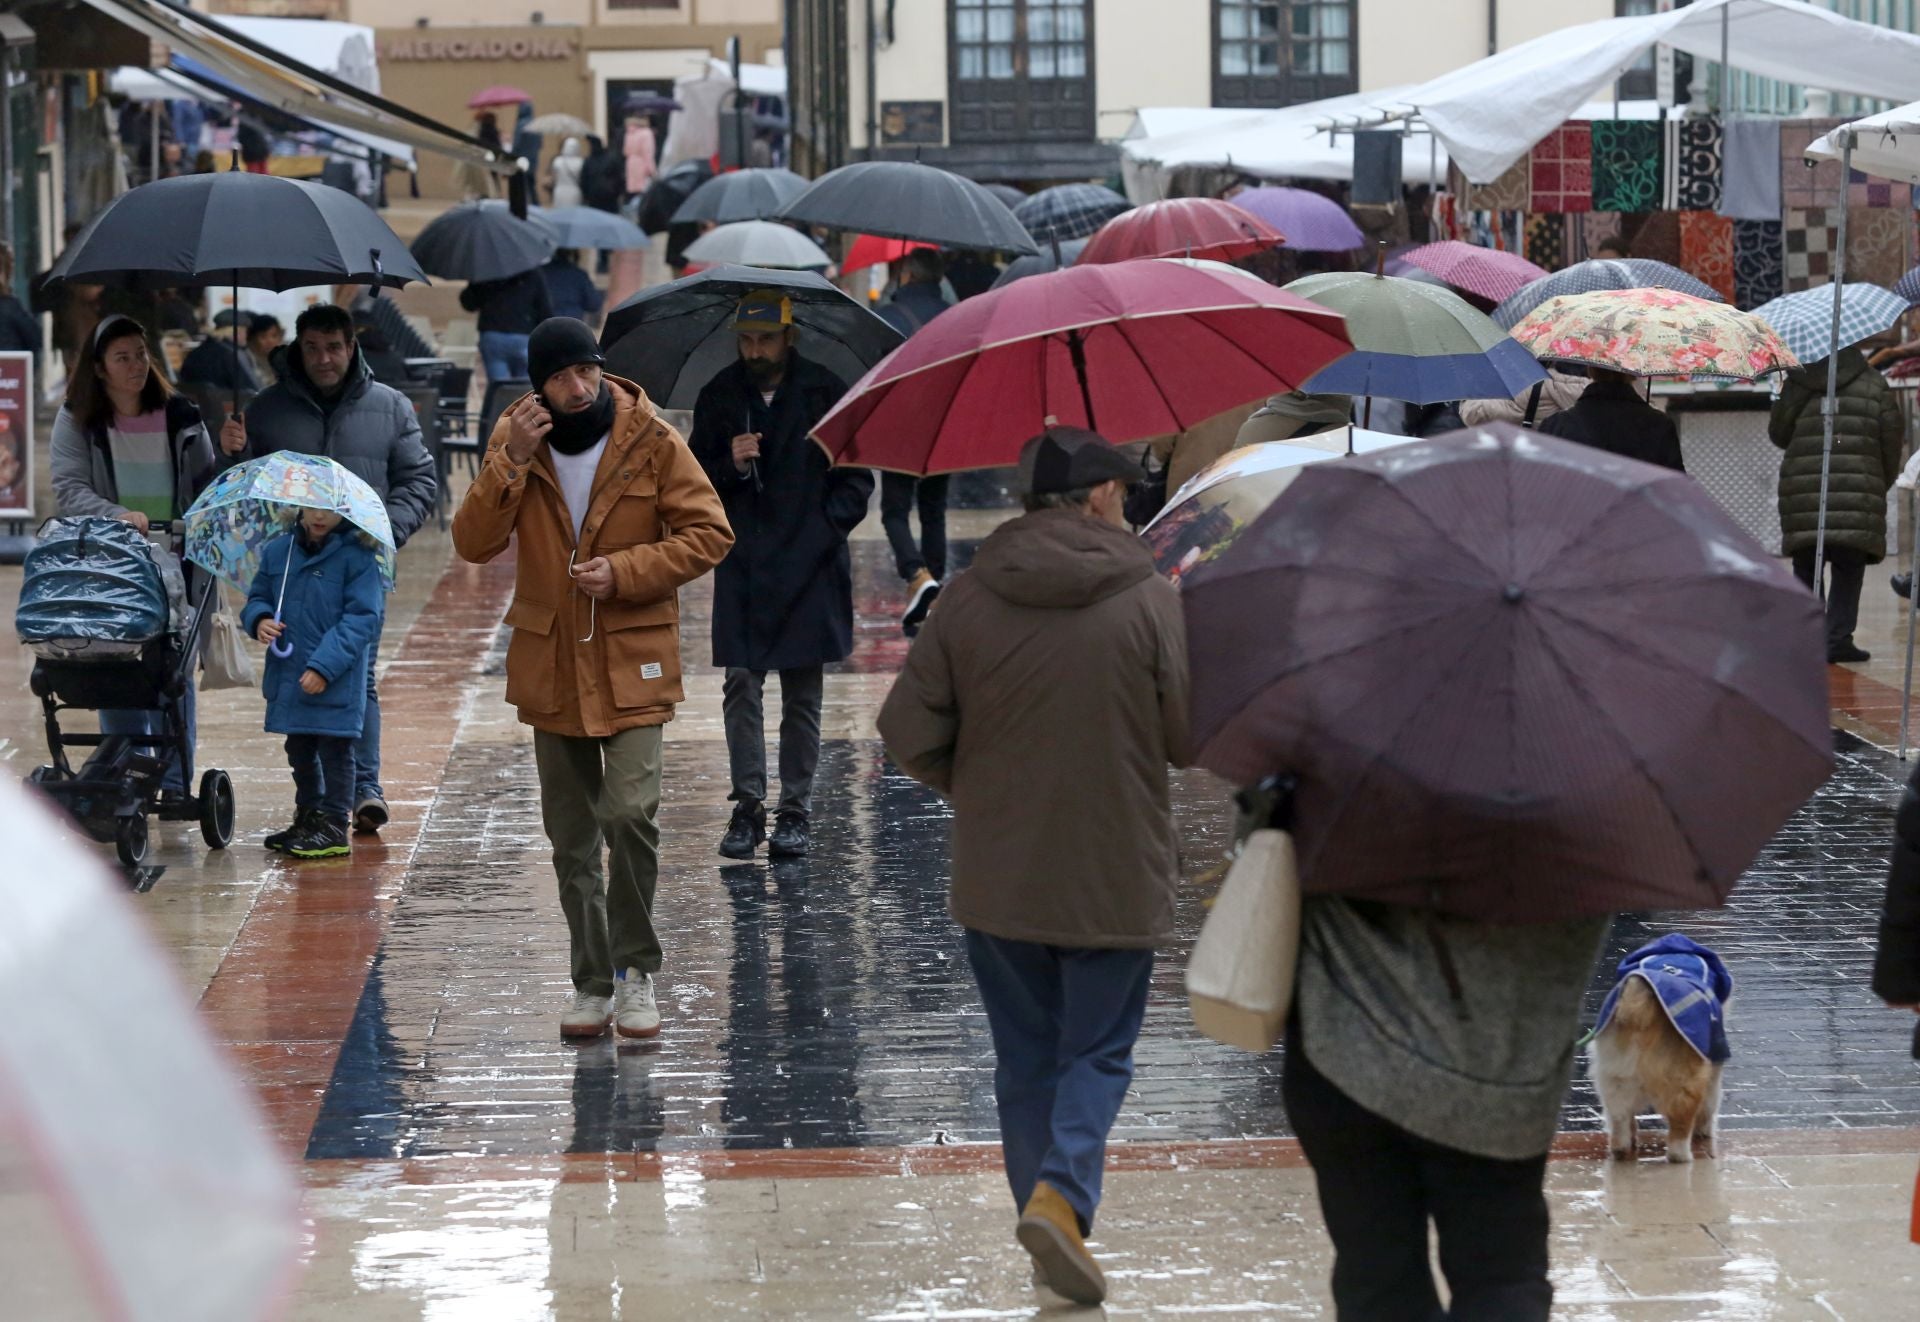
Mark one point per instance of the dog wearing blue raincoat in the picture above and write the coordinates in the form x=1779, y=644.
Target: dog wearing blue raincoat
x=1660, y=1044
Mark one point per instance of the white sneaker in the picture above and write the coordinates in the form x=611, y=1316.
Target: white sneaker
x=587, y=1018
x=634, y=1013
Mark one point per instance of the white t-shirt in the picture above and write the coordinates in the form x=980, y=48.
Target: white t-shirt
x=575, y=472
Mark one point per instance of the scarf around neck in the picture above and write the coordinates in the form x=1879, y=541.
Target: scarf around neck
x=576, y=433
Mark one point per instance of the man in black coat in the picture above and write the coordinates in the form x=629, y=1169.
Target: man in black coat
x=783, y=597
x=1612, y=416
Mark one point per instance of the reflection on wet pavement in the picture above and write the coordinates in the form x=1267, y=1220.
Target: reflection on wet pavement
x=811, y=1135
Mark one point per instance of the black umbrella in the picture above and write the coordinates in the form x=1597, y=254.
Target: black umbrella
x=672, y=339
x=236, y=228
x=478, y=242
x=649, y=103
x=668, y=190
x=740, y=195
x=907, y=200
x=1050, y=258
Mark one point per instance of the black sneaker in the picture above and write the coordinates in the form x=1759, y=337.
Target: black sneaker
x=322, y=838
x=277, y=842
x=789, y=837
x=1847, y=654
x=1902, y=585
x=745, y=832
x=369, y=815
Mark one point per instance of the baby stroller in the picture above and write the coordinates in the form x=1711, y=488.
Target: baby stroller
x=107, y=617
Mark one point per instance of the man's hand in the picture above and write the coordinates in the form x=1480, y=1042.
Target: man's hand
x=269, y=630
x=595, y=577
x=233, y=434
x=312, y=683
x=528, y=423
x=746, y=448
x=137, y=519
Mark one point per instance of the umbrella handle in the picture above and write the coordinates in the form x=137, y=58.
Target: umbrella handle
x=278, y=647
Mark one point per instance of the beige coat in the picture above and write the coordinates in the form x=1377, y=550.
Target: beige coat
x=654, y=515
x=1044, y=698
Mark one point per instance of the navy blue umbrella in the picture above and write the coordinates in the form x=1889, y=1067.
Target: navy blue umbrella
x=1415, y=342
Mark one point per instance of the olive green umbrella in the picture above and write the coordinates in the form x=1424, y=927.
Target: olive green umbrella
x=1415, y=342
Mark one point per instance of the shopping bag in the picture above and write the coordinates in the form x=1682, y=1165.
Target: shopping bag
x=1240, y=978
x=225, y=662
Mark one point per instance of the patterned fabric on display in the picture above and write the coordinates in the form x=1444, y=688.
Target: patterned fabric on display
x=1876, y=245
x=1627, y=155
x=1562, y=168
x=1706, y=250
x=1699, y=164
x=1758, y=274
x=1807, y=247
x=1656, y=238
x=1546, y=242
x=1803, y=183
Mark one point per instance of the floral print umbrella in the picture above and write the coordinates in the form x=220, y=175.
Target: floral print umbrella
x=1654, y=332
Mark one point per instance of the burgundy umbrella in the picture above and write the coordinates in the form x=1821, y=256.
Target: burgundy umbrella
x=1181, y=227
x=1131, y=350
x=1518, y=679
x=1311, y=221
x=496, y=96
x=1487, y=272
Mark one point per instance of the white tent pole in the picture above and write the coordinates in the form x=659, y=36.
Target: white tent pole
x=1913, y=618
x=1830, y=404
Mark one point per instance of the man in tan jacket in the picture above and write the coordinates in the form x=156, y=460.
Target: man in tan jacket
x=613, y=516
x=1045, y=699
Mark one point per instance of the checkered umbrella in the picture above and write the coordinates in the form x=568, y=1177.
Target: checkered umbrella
x=1908, y=286
x=1586, y=277
x=1070, y=211
x=1805, y=320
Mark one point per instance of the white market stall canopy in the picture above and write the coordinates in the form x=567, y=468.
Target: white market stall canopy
x=1886, y=144
x=1489, y=114
x=1294, y=143
x=281, y=76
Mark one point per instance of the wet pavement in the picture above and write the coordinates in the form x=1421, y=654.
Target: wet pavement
x=397, y=1014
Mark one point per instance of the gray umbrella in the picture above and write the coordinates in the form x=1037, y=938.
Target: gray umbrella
x=907, y=200
x=1070, y=211
x=758, y=243
x=1048, y=259
x=584, y=227
x=741, y=195
x=477, y=242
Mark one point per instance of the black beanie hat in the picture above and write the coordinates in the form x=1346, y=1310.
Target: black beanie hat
x=560, y=342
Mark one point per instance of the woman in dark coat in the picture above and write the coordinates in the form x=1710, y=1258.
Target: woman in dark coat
x=1869, y=432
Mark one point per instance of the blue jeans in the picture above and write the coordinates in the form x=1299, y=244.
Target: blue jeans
x=322, y=774
x=505, y=355
x=127, y=720
x=1064, y=1021
x=366, y=749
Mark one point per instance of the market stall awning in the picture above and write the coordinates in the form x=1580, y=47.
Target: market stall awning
x=191, y=83
x=1886, y=144
x=288, y=84
x=1489, y=114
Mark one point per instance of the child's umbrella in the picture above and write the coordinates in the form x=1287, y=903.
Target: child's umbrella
x=242, y=510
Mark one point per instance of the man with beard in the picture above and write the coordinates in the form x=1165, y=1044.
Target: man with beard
x=783, y=600
x=327, y=402
x=612, y=518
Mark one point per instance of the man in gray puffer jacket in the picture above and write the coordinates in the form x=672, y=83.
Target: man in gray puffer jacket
x=1869, y=433
x=326, y=402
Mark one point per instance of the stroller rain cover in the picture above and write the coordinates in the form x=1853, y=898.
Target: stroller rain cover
x=91, y=583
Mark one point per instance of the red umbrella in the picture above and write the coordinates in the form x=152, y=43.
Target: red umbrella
x=1487, y=272
x=1130, y=350
x=1517, y=679
x=1181, y=227
x=868, y=250
x=497, y=96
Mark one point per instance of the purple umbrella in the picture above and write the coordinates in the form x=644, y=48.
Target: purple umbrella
x=1517, y=679
x=1311, y=222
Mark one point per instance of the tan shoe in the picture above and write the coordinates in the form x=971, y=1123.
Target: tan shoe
x=1050, y=1231
x=920, y=594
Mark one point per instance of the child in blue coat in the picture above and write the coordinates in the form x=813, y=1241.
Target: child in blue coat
x=318, y=592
